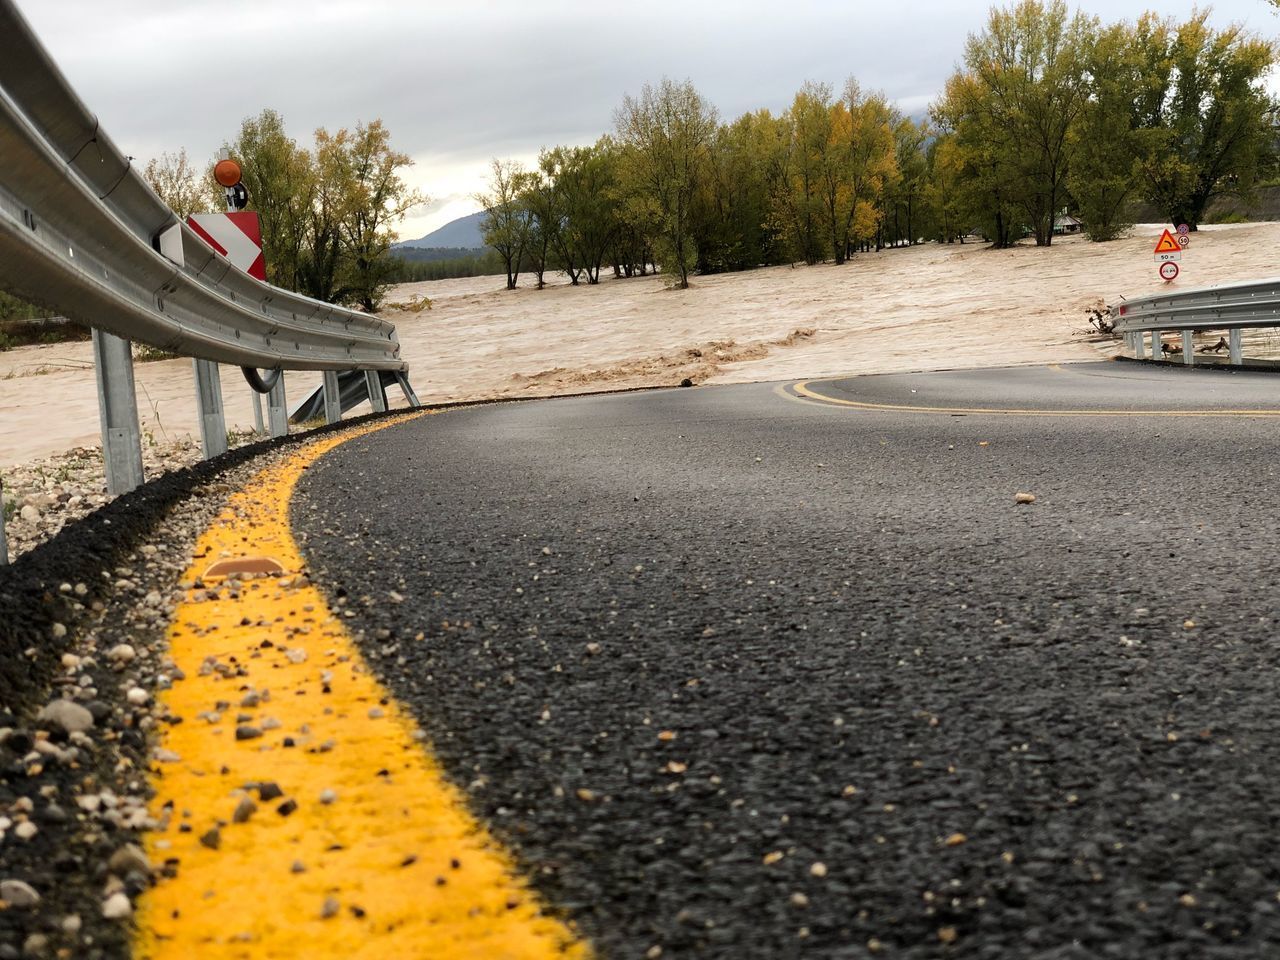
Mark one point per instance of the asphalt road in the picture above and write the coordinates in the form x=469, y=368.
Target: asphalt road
x=738, y=674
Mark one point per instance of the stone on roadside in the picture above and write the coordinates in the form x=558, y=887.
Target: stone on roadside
x=1024, y=497
x=117, y=907
x=129, y=859
x=122, y=653
x=66, y=715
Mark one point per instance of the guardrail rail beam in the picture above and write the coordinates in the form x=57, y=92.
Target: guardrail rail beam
x=81, y=230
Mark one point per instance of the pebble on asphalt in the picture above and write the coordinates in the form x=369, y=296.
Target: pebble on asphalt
x=1024, y=497
x=18, y=893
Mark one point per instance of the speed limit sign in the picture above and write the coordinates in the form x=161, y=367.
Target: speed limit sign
x=1168, y=271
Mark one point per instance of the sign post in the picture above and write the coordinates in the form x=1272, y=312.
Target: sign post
x=237, y=235
x=1168, y=252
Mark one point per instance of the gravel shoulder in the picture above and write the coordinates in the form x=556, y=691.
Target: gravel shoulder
x=83, y=620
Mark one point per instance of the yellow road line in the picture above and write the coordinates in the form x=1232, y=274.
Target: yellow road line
x=380, y=858
x=804, y=390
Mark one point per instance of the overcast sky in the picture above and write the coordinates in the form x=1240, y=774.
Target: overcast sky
x=460, y=82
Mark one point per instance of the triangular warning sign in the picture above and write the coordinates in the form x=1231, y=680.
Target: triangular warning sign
x=1167, y=243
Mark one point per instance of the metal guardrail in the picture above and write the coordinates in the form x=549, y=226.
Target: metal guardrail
x=1230, y=307
x=81, y=229
x=83, y=232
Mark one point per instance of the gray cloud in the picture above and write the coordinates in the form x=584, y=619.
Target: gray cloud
x=498, y=77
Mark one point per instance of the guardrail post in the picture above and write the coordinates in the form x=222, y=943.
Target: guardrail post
x=1155, y=345
x=4, y=544
x=117, y=412
x=277, y=411
x=332, y=397
x=408, y=391
x=213, y=419
x=1188, y=354
x=258, y=427
x=1233, y=346
x=377, y=396
x=1136, y=340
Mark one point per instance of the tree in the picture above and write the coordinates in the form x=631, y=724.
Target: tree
x=321, y=262
x=372, y=195
x=669, y=130
x=507, y=220
x=905, y=200
x=942, y=191
x=803, y=166
x=178, y=183
x=540, y=200
x=863, y=162
x=281, y=181
x=1205, y=124
x=1029, y=69
x=555, y=168
x=588, y=187
x=982, y=163
x=1103, y=140
x=733, y=229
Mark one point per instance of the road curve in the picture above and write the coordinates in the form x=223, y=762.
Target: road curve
x=742, y=673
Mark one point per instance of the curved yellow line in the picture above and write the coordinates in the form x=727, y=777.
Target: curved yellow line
x=360, y=848
x=805, y=390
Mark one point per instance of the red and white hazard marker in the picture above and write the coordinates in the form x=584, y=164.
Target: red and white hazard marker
x=237, y=236
x=1168, y=271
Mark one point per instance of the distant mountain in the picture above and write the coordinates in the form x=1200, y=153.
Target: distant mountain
x=461, y=234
